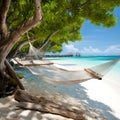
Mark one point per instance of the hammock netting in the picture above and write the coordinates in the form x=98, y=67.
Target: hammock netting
x=55, y=75
x=34, y=51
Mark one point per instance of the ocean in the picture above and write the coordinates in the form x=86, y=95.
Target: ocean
x=102, y=95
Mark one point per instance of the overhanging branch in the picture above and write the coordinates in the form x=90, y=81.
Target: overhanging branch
x=75, y=30
x=47, y=39
x=19, y=32
x=83, y=4
x=32, y=22
x=17, y=49
x=3, y=15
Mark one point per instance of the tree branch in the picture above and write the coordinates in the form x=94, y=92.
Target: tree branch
x=14, y=52
x=76, y=29
x=23, y=28
x=3, y=15
x=83, y=4
x=18, y=48
x=32, y=22
x=13, y=74
x=25, y=43
x=47, y=39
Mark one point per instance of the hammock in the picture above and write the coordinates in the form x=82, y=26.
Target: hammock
x=31, y=62
x=57, y=75
x=33, y=58
x=35, y=52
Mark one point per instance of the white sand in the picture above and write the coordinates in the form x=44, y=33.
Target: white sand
x=98, y=97
x=8, y=111
x=103, y=95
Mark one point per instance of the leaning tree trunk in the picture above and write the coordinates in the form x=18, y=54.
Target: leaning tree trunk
x=8, y=40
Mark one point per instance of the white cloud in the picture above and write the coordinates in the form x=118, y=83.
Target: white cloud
x=114, y=49
x=71, y=48
x=90, y=50
x=111, y=50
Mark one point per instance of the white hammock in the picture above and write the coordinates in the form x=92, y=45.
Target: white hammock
x=34, y=51
x=55, y=75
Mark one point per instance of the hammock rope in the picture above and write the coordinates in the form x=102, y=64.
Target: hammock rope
x=32, y=50
x=56, y=75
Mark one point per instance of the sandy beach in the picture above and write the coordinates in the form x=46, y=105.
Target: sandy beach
x=101, y=95
x=99, y=100
x=9, y=111
x=104, y=95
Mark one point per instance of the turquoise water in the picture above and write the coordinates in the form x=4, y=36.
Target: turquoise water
x=85, y=58
x=87, y=61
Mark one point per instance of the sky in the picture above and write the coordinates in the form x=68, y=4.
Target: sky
x=97, y=40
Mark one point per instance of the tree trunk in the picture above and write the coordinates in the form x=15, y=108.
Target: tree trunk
x=27, y=101
x=8, y=40
x=13, y=74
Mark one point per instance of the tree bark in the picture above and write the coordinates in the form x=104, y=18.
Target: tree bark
x=27, y=101
x=13, y=74
x=14, y=36
x=8, y=39
x=3, y=14
x=3, y=29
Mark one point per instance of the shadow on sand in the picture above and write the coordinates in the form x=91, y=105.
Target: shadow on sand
x=37, y=86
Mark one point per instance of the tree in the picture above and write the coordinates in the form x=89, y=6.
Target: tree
x=9, y=35
x=67, y=16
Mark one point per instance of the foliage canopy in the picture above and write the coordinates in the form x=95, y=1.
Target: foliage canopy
x=67, y=16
